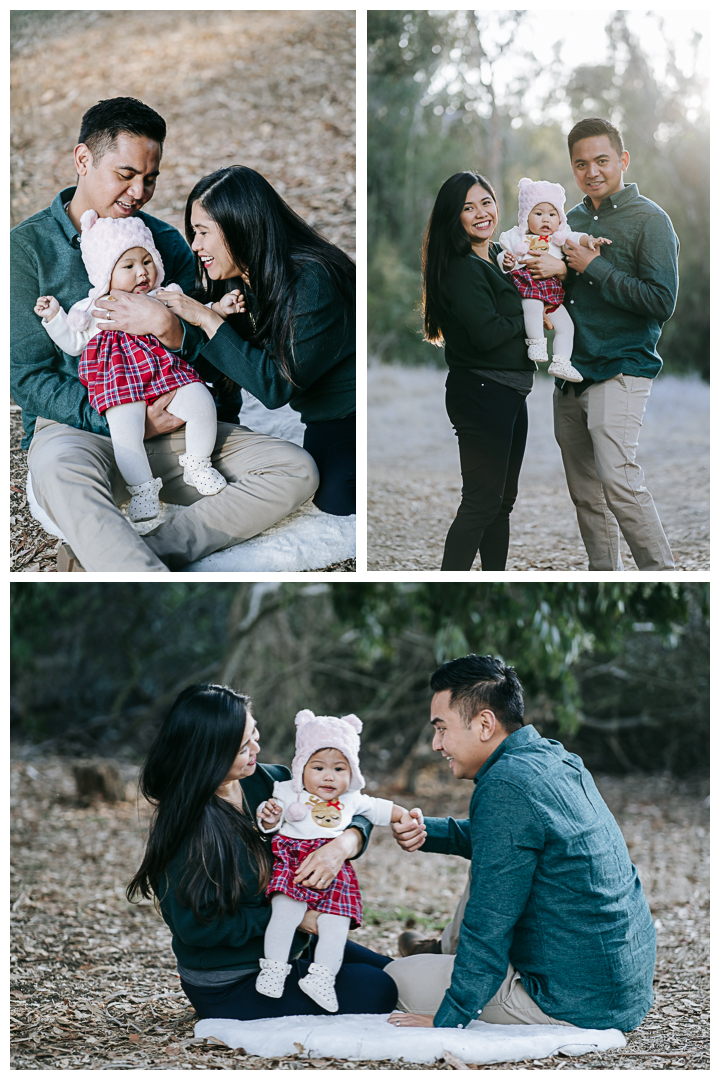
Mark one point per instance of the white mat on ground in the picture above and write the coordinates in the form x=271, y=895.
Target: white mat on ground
x=305, y=540
x=368, y=1037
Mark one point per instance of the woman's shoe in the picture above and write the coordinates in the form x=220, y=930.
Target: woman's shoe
x=561, y=368
x=271, y=980
x=319, y=984
x=145, y=503
x=537, y=348
x=199, y=473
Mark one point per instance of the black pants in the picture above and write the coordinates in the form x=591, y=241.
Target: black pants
x=361, y=987
x=332, y=444
x=490, y=421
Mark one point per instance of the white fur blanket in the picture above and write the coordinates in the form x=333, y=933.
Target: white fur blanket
x=305, y=540
x=367, y=1037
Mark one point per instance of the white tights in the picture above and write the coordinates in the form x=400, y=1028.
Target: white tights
x=287, y=914
x=561, y=322
x=192, y=403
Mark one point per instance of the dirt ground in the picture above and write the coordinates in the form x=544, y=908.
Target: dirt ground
x=414, y=475
x=93, y=979
x=274, y=90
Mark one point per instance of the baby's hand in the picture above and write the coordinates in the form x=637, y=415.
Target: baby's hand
x=269, y=813
x=232, y=303
x=508, y=260
x=596, y=241
x=46, y=307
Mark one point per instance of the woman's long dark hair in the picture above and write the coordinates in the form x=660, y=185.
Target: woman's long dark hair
x=188, y=761
x=445, y=237
x=270, y=242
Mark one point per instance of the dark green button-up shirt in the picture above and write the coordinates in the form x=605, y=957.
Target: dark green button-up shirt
x=620, y=302
x=553, y=893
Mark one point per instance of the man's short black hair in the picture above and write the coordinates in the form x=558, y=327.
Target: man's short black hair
x=102, y=124
x=482, y=682
x=588, y=129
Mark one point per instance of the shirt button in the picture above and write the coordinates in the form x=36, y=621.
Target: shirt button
x=595, y=218
x=459, y=1025
x=572, y=301
x=614, y=206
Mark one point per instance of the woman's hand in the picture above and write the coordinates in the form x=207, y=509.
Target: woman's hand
x=192, y=311
x=134, y=313
x=309, y=922
x=544, y=266
x=410, y=834
x=320, y=868
x=402, y=1019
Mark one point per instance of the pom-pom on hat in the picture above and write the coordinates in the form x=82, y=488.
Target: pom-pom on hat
x=102, y=242
x=533, y=192
x=316, y=733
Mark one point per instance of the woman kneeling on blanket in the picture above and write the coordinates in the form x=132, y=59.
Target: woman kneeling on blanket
x=208, y=866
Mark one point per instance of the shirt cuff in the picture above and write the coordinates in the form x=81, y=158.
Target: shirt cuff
x=449, y=1016
x=599, y=270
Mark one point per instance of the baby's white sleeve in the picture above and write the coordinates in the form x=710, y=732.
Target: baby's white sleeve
x=72, y=342
x=576, y=237
x=377, y=811
x=278, y=796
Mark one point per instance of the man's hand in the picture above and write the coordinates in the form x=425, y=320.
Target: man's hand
x=309, y=922
x=232, y=303
x=508, y=260
x=270, y=813
x=157, y=420
x=579, y=257
x=134, y=313
x=544, y=266
x=410, y=831
x=402, y=1019
x=46, y=307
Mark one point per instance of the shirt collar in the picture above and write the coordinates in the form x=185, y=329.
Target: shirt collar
x=523, y=735
x=618, y=198
x=57, y=210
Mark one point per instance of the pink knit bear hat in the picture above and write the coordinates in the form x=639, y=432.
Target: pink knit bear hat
x=316, y=733
x=533, y=192
x=103, y=241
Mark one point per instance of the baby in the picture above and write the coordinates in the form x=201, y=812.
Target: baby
x=124, y=373
x=309, y=810
x=542, y=228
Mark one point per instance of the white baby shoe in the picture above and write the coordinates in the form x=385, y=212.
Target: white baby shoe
x=561, y=368
x=145, y=503
x=199, y=473
x=537, y=348
x=319, y=984
x=271, y=980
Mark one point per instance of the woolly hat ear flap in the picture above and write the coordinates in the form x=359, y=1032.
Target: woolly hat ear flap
x=88, y=219
x=304, y=717
x=354, y=721
x=78, y=319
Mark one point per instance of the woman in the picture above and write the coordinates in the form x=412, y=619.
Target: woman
x=296, y=344
x=472, y=308
x=207, y=865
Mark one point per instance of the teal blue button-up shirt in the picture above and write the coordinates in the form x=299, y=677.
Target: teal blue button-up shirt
x=553, y=893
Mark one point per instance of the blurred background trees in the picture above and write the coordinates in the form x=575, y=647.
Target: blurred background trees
x=448, y=90
x=618, y=672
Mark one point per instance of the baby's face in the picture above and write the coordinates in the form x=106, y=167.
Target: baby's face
x=134, y=272
x=327, y=774
x=543, y=218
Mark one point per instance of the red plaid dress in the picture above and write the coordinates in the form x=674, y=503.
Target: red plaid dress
x=117, y=367
x=343, y=896
x=550, y=290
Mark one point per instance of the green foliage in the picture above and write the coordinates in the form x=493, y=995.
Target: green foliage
x=436, y=106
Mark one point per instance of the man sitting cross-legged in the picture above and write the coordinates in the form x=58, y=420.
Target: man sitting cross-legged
x=70, y=457
x=556, y=929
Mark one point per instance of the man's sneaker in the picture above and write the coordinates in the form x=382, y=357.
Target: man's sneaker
x=200, y=474
x=412, y=942
x=561, y=368
x=145, y=503
x=319, y=984
x=537, y=348
x=271, y=980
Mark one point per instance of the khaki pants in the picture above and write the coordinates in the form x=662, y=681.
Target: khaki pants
x=77, y=483
x=423, y=979
x=598, y=433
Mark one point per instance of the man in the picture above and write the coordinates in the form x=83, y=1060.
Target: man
x=69, y=450
x=619, y=297
x=556, y=929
